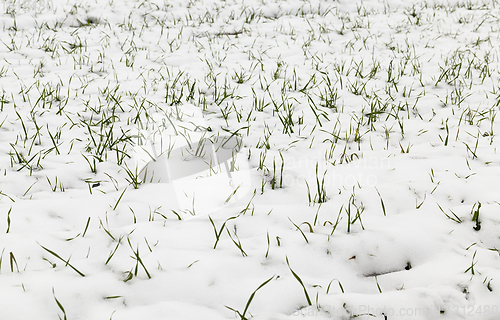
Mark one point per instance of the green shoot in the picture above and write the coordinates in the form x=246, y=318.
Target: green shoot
x=301, y=283
x=138, y=260
x=475, y=216
x=219, y=233
x=242, y=315
x=60, y=306
x=65, y=261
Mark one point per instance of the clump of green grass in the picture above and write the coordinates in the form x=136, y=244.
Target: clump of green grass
x=320, y=196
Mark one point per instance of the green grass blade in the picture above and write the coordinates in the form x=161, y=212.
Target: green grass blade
x=301, y=283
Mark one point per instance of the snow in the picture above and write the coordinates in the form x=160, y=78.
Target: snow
x=249, y=159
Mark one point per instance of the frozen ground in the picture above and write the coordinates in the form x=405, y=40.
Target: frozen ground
x=302, y=159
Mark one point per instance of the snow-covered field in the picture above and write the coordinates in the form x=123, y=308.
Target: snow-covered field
x=249, y=159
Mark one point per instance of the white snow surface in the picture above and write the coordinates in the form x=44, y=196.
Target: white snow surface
x=364, y=182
